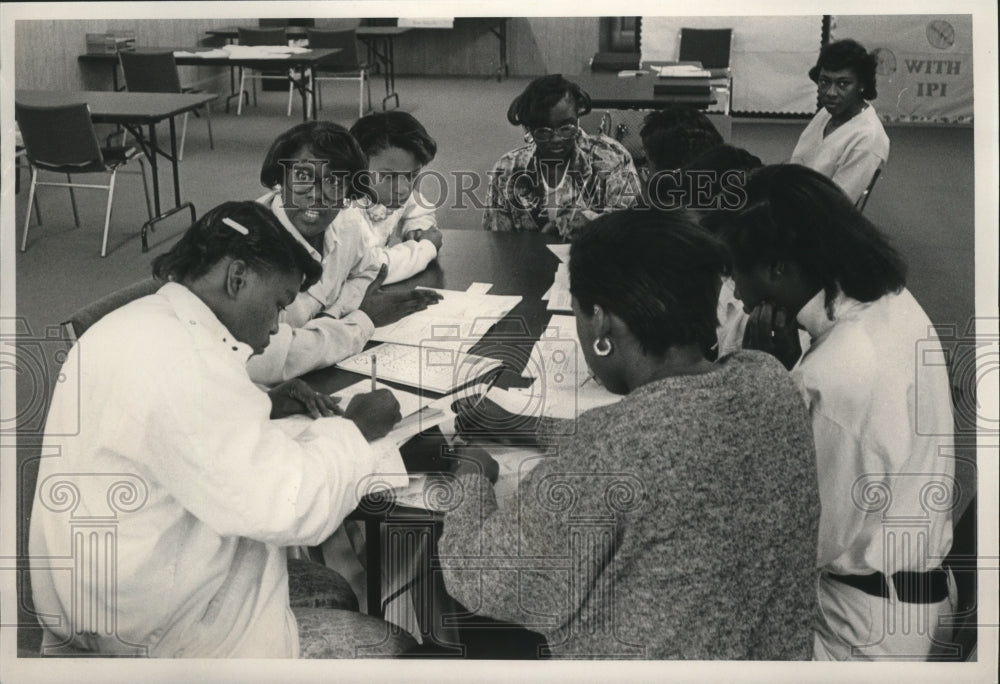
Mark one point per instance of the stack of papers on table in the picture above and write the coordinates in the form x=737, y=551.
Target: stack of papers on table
x=682, y=71
x=262, y=51
x=457, y=322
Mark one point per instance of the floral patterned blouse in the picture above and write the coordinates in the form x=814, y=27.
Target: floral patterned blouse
x=600, y=177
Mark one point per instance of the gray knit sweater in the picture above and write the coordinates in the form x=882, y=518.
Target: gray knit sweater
x=680, y=522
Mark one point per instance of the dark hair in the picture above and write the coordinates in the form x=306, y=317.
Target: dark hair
x=848, y=54
x=266, y=247
x=531, y=108
x=658, y=271
x=382, y=130
x=325, y=140
x=674, y=135
x=796, y=214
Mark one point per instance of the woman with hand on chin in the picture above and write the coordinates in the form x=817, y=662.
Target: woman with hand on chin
x=314, y=169
x=845, y=140
x=803, y=256
x=563, y=177
x=679, y=522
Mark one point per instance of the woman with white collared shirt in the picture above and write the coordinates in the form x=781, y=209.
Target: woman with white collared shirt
x=845, y=140
x=314, y=170
x=803, y=256
x=400, y=221
x=184, y=488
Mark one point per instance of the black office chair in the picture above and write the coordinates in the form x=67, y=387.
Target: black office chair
x=347, y=65
x=62, y=140
x=863, y=200
x=82, y=319
x=156, y=72
x=713, y=48
x=262, y=36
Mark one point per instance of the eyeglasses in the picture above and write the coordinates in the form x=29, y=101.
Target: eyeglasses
x=546, y=134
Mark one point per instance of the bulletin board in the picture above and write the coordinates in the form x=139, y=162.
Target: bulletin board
x=770, y=59
x=925, y=64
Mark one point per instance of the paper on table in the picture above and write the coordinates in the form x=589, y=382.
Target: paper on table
x=682, y=71
x=408, y=401
x=201, y=53
x=479, y=288
x=558, y=295
x=458, y=321
x=561, y=251
x=428, y=368
x=557, y=351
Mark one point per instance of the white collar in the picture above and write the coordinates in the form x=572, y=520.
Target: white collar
x=206, y=328
x=813, y=316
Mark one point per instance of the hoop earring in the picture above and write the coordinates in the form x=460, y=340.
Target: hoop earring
x=606, y=349
x=527, y=137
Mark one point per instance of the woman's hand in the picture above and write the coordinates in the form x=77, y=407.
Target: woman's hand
x=772, y=330
x=432, y=234
x=295, y=396
x=385, y=308
x=486, y=420
x=375, y=413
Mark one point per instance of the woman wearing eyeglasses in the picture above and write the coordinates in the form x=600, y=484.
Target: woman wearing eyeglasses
x=400, y=221
x=845, y=141
x=563, y=177
x=314, y=169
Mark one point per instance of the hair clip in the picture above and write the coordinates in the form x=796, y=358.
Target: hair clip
x=238, y=227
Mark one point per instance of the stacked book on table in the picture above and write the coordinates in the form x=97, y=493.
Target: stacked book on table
x=110, y=43
x=682, y=79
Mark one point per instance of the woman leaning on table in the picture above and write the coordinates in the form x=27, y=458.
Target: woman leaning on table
x=562, y=177
x=845, y=140
x=804, y=257
x=679, y=522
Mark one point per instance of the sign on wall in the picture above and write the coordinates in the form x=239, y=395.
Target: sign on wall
x=925, y=64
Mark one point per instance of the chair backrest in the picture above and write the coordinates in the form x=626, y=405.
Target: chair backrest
x=60, y=137
x=344, y=39
x=150, y=72
x=863, y=200
x=286, y=22
x=711, y=47
x=80, y=321
x=263, y=36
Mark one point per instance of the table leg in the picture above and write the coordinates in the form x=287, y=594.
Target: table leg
x=173, y=162
x=306, y=81
x=154, y=168
x=373, y=563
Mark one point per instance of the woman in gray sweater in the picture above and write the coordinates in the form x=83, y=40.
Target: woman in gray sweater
x=680, y=522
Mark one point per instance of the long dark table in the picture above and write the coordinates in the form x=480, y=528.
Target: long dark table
x=304, y=64
x=516, y=264
x=133, y=111
x=609, y=91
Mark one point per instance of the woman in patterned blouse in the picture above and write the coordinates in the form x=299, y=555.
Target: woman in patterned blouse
x=563, y=177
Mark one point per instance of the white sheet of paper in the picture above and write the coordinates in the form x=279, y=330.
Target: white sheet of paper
x=561, y=251
x=430, y=369
x=479, y=288
x=456, y=322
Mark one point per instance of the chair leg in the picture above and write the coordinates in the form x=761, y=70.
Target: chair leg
x=184, y=132
x=72, y=200
x=208, y=120
x=31, y=199
x=239, y=102
x=291, y=89
x=361, y=95
x=107, y=213
x=368, y=86
x=38, y=212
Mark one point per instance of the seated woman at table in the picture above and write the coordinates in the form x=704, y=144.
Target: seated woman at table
x=313, y=170
x=673, y=136
x=563, y=177
x=400, y=221
x=175, y=445
x=803, y=256
x=679, y=522
x=845, y=140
